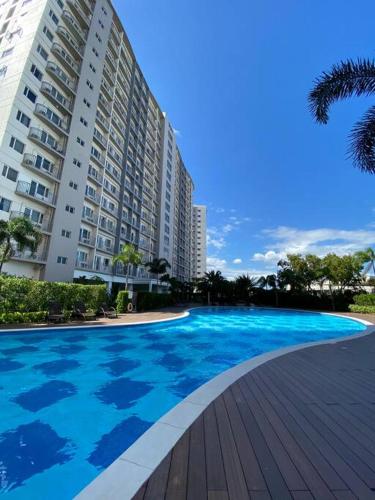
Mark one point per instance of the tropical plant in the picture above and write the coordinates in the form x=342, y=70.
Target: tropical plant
x=17, y=234
x=270, y=281
x=127, y=257
x=244, y=286
x=158, y=267
x=211, y=284
x=368, y=258
x=344, y=80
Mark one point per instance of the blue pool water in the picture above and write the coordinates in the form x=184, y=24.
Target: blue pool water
x=72, y=400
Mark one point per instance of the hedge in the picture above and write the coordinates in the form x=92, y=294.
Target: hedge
x=26, y=295
x=362, y=309
x=365, y=299
x=23, y=317
x=152, y=300
x=323, y=301
x=122, y=301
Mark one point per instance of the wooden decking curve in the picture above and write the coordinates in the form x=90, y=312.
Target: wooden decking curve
x=301, y=426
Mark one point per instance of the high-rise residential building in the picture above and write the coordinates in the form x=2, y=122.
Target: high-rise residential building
x=86, y=152
x=199, y=245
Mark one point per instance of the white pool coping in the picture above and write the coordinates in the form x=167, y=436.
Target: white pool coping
x=123, y=478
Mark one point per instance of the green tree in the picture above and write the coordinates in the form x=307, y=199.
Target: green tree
x=368, y=258
x=211, y=284
x=157, y=267
x=128, y=256
x=344, y=80
x=270, y=281
x=18, y=234
x=244, y=286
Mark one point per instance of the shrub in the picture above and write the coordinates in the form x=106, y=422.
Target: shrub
x=362, y=309
x=22, y=317
x=122, y=301
x=365, y=299
x=151, y=300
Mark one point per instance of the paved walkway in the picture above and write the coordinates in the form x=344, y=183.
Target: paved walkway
x=299, y=427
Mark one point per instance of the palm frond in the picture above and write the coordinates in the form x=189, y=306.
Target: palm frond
x=362, y=142
x=342, y=81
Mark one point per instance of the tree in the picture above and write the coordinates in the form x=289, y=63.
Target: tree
x=128, y=256
x=17, y=234
x=211, y=284
x=368, y=258
x=270, y=281
x=344, y=80
x=244, y=286
x=157, y=267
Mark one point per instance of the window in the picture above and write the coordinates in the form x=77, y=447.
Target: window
x=36, y=72
x=95, y=52
x=60, y=4
x=93, y=69
x=48, y=34
x=97, y=36
x=24, y=119
x=70, y=209
x=42, y=52
x=73, y=185
x=89, y=84
x=77, y=163
x=10, y=173
x=101, y=24
x=53, y=16
x=17, y=145
x=62, y=260
x=86, y=102
x=4, y=204
x=83, y=121
x=65, y=233
x=80, y=141
x=29, y=94
x=7, y=52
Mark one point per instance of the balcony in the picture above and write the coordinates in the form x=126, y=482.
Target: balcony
x=46, y=141
x=69, y=63
x=93, y=197
x=61, y=102
x=38, y=164
x=103, y=142
x=95, y=176
x=112, y=211
x=109, y=228
x=111, y=60
x=28, y=191
x=104, y=104
x=100, y=245
x=101, y=267
x=45, y=226
x=27, y=256
x=69, y=84
x=70, y=42
x=89, y=242
x=102, y=120
x=82, y=17
x=99, y=158
x=108, y=73
x=80, y=264
x=90, y=218
x=107, y=90
x=74, y=26
x=52, y=119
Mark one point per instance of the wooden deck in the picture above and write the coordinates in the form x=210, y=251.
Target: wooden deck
x=301, y=426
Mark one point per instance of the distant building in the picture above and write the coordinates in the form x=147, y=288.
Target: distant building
x=86, y=152
x=199, y=245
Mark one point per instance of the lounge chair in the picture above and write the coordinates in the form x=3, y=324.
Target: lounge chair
x=108, y=312
x=81, y=312
x=55, y=312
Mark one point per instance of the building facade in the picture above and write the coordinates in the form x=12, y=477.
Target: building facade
x=199, y=244
x=86, y=152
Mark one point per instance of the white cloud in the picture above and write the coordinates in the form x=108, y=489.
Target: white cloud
x=218, y=264
x=316, y=241
x=237, y=261
x=177, y=132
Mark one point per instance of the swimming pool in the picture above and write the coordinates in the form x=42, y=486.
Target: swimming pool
x=72, y=400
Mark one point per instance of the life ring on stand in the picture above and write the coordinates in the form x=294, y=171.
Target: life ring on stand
x=130, y=307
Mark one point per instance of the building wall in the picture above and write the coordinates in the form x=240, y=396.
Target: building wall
x=100, y=178
x=199, y=245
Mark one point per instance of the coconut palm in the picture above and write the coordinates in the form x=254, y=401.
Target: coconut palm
x=244, y=286
x=211, y=284
x=128, y=256
x=368, y=258
x=344, y=80
x=270, y=281
x=17, y=234
x=157, y=267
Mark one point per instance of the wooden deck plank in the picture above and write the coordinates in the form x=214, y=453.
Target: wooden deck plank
x=299, y=427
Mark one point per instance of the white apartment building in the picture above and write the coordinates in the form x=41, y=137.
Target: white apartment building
x=84, y=147
x=199, y=244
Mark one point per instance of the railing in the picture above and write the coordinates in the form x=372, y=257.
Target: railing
x=93, y=197
x=51, y=118
x=51, y=91
x=82, y=33
x=43, y=138
x=70, y=41
x=94, y=175
x=110, y=228
x=87, y=241
x=83, y=17
x=43, y=226
x=56, y=71
x=41, y=258
x=25, y=188
x=70, y=63
x=83, y=265
x=91, y=218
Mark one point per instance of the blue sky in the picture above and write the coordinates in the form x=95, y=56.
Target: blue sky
x=233, y=78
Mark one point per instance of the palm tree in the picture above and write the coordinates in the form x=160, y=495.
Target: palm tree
x=17, y=234
x=211, y=283
x=347, y=79
x=128, y=256
x=244, y=286
x=157, y=267
x=270, y=281
x=368, y=258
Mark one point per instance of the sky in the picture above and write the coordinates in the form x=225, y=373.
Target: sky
x=234, y=78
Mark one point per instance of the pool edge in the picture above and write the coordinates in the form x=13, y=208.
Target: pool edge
x=123, y=478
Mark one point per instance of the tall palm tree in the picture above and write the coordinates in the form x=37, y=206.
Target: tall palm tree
x=211, y=284
x=368, y=258
x=157, y=267
x=128, y=256
x=344, y=80
x=17, y=234
x=244, y=286
x=270, y=281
